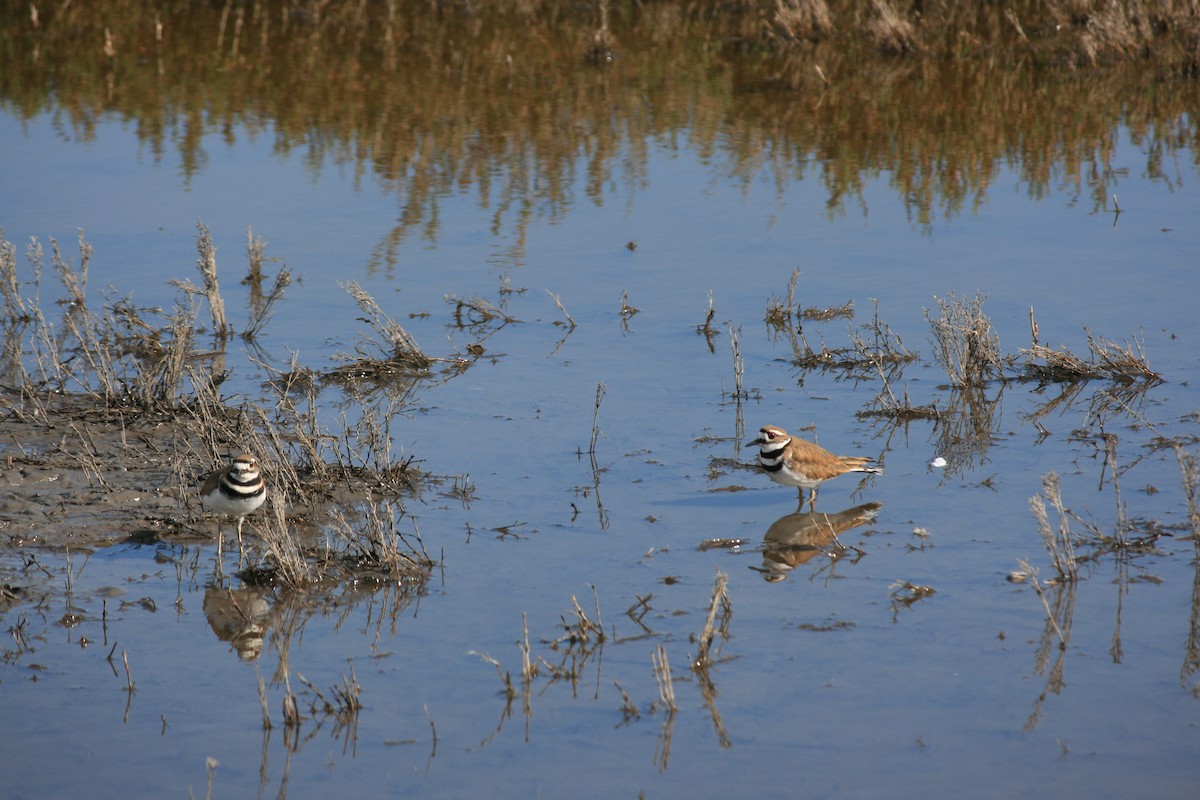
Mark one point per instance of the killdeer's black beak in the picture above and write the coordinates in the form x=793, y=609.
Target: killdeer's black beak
x=758, y=441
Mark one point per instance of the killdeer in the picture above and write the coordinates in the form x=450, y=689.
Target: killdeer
x=235, y=491
x=795, y=462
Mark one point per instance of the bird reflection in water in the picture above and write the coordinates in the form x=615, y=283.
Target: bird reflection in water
x=799, y=537
x=238, y=616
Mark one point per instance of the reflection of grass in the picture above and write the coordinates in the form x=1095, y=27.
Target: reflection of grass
x=581, y=645
x=765, y=105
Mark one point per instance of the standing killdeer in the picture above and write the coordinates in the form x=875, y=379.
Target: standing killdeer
x=235, y=491
x=795, y=462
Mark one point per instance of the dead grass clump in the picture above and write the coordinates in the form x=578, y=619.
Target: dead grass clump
x=882, y=351
x=374, y=545
x=1189, y=468
x=1057, y=366
x=398, y=350
x=1122, y=363
x=580, y=628
x=283, y=559
x=73, y=279
x=844, y=311
x=784, y=316
x=783, y=313
x=341, y=704
x=124, y=357
x=261, y=303
x=160, y=356
x=720, y=615
x=1058, y=540
x=739, y=366
x=780, y=312
x=207, y=264
x=663, y=678
x=15, y=307
x=886, y=405
x=964, y=342
x=128, y=383
x=362, y=544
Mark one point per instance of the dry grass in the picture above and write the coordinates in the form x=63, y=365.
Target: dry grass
x=627, y=311
x=206, y=263
x=1189, y=469
x=1122, y=366
x=720, y=614
x=1120, y=362
x=707, y=330
x=1057, y=539
x=875, y=346
x=662, y=676
x=261, y=303
x=964, y=342
x=739, y=366
x=881, y=350
x=475, y=312
x=123, y=357
x=580, y=629
x=395, y=349
x=569, y=324
x=99, y=374
x=1058, y=600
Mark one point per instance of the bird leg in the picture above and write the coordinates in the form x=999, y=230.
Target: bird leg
x=241, y=545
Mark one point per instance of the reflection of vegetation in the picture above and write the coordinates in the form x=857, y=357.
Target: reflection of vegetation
x=432, y=100
x=580, y=650
x=1189, y=466
x=1069, y=550
x=304, y=713
x=1054, y=641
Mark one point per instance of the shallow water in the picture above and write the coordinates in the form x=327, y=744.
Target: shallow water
x=828, y=683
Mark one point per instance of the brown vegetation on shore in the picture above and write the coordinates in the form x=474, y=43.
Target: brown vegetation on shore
x=120, y=408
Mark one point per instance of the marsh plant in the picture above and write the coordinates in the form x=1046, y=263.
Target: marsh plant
x=128, y=370
x=963, y=340
x=1057, y=538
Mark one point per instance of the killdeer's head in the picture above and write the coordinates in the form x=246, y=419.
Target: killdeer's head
x=244, y=467
x=772, y=437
